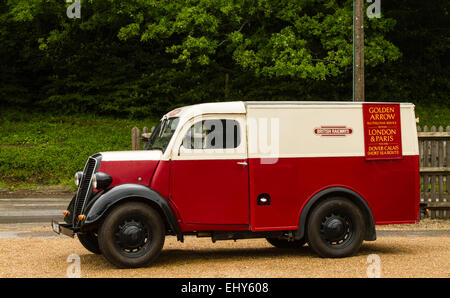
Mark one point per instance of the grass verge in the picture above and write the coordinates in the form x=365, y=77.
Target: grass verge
x=45, y=149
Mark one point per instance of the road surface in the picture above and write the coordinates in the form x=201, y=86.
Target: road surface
x=31, y=210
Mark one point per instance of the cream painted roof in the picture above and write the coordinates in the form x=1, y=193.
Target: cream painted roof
x=240, y=107
x=231, y=107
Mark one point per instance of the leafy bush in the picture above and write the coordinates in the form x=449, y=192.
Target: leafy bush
x=433, y=115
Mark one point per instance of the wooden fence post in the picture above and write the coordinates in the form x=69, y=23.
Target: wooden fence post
x=135, y=138
x=440, y=178
x=146, y=135
x=447, y=178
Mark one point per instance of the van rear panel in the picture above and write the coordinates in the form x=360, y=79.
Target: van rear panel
x=389, y=187
x=321, y=146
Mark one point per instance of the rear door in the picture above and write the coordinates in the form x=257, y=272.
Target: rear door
x=209, y=172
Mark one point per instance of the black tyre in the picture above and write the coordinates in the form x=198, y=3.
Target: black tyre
x=90, y=241
x=336, y=228
x=132, y=235
x=284, y=243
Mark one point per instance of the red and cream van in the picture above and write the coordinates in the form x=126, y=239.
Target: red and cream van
x=322, y=173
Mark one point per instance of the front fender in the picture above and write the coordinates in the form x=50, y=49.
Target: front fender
x=97, y=208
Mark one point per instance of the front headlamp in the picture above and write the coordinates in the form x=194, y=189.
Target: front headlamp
x=94, y=181
x=78, y=177
x=101, y=180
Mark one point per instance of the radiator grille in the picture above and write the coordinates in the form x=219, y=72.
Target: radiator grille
x=84, y=188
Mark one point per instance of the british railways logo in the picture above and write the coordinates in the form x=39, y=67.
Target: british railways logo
x=333, y=131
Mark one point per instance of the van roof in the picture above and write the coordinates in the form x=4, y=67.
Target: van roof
x=345, y=103
x=240, y=107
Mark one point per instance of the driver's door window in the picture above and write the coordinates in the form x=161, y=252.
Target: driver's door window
x=213, y=134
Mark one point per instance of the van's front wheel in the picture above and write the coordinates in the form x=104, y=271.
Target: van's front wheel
x=336, y=228
x=132, y=235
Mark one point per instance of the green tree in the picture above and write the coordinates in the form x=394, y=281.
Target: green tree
x=137, y=58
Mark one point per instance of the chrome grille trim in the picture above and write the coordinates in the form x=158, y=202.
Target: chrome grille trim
x=84, y=189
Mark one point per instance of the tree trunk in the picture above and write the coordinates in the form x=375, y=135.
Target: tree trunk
x=358, y=55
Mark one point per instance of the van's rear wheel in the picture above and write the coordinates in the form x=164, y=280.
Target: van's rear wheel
x=132, y=235
x=90, y=241
x=284, y=243
x=336, y=228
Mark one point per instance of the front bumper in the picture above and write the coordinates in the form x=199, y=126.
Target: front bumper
x=63, y=228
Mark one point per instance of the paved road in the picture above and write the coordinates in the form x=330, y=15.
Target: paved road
x=31, y=210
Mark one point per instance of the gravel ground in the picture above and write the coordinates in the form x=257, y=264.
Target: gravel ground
x=423, y=224
x=198, y=257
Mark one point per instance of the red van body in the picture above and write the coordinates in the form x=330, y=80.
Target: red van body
x=259, y=169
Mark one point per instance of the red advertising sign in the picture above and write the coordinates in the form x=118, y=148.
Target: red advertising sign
x=382, y=131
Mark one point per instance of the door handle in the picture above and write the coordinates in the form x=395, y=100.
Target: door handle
x=242, y=163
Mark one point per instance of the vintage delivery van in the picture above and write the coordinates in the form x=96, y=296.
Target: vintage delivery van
x=322, y=173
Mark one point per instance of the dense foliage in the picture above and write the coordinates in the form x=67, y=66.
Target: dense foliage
x=141, y=58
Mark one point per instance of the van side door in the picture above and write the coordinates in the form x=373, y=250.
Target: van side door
x=209, y=171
